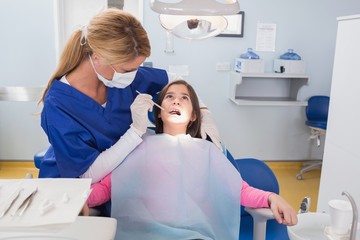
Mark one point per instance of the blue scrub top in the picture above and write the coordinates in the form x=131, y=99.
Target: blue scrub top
x=79, y=129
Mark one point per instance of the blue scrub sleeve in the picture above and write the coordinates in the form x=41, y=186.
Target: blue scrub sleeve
x=73, y=147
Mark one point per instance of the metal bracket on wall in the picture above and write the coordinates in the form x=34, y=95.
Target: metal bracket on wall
x=22, y=94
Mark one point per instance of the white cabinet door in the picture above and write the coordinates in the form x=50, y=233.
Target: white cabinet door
x=341, y=164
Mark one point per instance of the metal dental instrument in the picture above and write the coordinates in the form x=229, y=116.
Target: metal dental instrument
x=11, y=201
x=25, y=204
x=153, y=102
x=305, y=205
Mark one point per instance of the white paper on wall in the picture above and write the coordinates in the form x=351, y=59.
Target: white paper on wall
x=265, y=37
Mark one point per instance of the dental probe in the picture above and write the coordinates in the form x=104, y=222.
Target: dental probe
x=153, y=102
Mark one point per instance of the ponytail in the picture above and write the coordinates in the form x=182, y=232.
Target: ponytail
x=73, y=54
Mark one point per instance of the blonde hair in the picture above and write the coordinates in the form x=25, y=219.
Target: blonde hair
x=115, y=35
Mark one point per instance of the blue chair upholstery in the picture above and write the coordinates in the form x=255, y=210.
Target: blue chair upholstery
x=316, y=119
x=38, y=157
x=257, y=174
x=317, y=112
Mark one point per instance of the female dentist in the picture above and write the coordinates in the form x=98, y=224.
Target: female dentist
x=92, y=113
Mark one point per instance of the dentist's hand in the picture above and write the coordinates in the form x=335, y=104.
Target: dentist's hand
x=209, y=128
x=139, y=111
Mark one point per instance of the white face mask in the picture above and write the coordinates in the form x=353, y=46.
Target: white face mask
x=119, y=80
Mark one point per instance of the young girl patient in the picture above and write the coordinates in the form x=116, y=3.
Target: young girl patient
x=175, y=185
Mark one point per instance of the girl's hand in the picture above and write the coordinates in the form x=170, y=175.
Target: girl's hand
x=282, y=210
x=85, y=210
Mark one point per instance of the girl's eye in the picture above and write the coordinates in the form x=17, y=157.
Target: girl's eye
x=185, y=98
x=168, y=96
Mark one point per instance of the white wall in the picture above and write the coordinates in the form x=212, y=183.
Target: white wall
x=72, y=15
x=268, y=133
x=28, y=56
x=75, y=14
x=135, y=7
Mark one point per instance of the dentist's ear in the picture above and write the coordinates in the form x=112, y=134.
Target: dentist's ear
x=96, y=59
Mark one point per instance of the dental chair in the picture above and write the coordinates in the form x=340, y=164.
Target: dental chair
x=316, y=113
x=259, y=224
x=38, y=157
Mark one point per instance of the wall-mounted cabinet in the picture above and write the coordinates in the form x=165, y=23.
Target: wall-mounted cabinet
x=266, y=89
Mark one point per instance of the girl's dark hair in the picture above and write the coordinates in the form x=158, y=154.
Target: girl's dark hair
x=193, y=128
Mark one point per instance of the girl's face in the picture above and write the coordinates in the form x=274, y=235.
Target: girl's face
x=178, y=110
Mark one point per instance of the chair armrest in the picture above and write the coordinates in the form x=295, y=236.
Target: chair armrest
x=260, y=217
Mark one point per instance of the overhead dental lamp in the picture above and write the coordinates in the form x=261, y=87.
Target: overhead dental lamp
x=194, y=19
